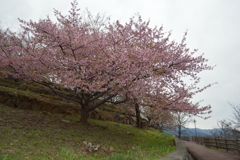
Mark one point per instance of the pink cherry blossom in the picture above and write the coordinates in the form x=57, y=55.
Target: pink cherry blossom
x=101, y=61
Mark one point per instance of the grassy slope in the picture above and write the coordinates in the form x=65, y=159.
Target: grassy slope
x=33, y=135
x=28, y=134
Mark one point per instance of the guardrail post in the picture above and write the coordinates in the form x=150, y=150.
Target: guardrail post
x=216, y=142
x=238, y=146
x=226, y=144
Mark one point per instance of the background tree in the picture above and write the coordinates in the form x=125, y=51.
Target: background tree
x=102, y=61
x=163, y=121
x=223, y=130
x=235, y=119
x=229, y=128
x=181, y=119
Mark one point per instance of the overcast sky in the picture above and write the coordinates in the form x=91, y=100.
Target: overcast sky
x=213, y=28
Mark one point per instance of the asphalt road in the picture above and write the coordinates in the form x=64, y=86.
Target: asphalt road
x=203, y=153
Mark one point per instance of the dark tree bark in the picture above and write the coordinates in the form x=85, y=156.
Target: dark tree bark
x=84, y=116
x=179, y=131
x=138, y=117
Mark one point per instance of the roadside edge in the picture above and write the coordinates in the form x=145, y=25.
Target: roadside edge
x=180, y=153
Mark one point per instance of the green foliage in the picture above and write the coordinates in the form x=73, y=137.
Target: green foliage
x=3, y=157
x=67, y=154
x=130, y=155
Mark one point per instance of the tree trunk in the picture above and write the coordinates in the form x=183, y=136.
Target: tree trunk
x=84, y=116
x=138, y=117
x=179, y=131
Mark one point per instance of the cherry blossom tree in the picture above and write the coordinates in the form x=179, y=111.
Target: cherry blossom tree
x=160, y=120
x=159, y=100
x=102, y=61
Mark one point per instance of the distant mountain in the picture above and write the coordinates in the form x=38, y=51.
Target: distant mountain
x=191, y=132
x=199, y=132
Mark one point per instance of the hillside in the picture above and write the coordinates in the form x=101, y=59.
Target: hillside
x=17, y=94
x=31, y=135
x=34, y=124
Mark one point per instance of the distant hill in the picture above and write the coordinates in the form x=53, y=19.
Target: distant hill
x=200, y=132
x=191, y=132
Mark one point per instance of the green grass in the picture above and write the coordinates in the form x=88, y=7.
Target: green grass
x=33, y=135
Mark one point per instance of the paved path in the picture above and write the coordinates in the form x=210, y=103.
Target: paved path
x=203, y=153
